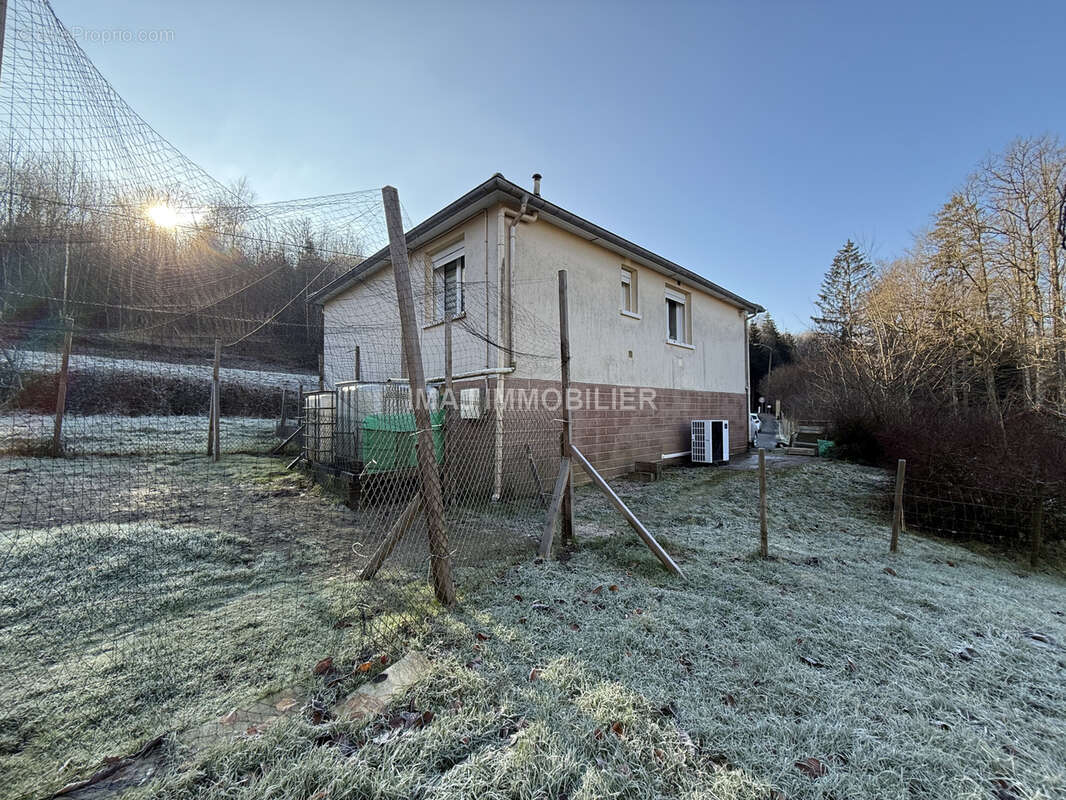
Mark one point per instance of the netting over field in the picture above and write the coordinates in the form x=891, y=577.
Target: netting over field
x=145, y=586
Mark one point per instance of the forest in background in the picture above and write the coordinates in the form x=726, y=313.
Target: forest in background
x=952, y=355
x=152, y=271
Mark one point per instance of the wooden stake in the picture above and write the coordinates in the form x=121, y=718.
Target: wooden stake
x=358, y=366
x=1037, y=533
x=281, y=446
x=217, y=394
x=284, y=403
x=398, y=530
x=630, y=517
x=321, y=372
x=554, y=507
x=61, y=392
x=567, y=509
x=897, y=508
x=440, y=558
x=211, y=419
x=764, y=546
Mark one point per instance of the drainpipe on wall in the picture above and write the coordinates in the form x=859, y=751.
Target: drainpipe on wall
x=506, y=294
x=497, y=407
x=512, y=260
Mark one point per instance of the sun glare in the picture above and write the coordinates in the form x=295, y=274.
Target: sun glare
x=163, y=215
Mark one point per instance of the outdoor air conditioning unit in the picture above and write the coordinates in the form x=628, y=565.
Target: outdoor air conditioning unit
x=710, y=441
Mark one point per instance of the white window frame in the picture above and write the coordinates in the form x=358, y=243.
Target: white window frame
x=629, y=278
x=441, y=262
x=684, y=329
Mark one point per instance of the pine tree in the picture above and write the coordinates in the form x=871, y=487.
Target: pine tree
x=841, y=298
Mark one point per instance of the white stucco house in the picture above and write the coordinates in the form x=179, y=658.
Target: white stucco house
x=637, y=320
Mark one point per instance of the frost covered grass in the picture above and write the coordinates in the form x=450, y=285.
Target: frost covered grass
x=23, y=433
x=41, y=361
x=832, y=669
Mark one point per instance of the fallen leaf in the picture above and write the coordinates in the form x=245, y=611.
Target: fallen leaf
x=534, y=674
x=365, y=666
x=483, y=637
x=518, y=597
x=618, y=729
x=810, y=662
x=287, y=704
x=812, y=767
x=613, y=587
x=685, y=662
x=229, y=718
x=597, y=734
x=889, y=571
x=384, y=659
x=598, y=589
x=323, y=666
x=967, y=653
x=851, y=665
x=523, y=620
x=729, y=700
x=321, y=794
x=1042, y=638
x=574, y=626
x=951, y=563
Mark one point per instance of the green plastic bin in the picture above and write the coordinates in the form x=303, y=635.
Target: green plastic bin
x=388, y=441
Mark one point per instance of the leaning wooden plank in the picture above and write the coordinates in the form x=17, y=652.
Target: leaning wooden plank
x=295, y=461
x=630, y=517
x=392, y=538
x=278, y=448
x=553, y=508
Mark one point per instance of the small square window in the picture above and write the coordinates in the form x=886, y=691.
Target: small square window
x=629, y=291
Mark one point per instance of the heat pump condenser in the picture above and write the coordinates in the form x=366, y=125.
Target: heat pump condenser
x=710, y=441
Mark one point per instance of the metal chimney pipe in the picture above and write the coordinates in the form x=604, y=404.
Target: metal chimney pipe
x=536, y=184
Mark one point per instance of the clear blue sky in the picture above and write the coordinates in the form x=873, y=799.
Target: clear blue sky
x=746, y=141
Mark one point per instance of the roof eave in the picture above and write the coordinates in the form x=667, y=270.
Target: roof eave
x=481, y=195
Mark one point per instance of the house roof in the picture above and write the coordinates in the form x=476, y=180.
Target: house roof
x=497, y=189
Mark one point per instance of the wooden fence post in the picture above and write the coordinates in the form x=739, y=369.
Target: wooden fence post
x=321, y=372
x=358, y=366
x=217, y=395
x=566, y=510
x=440, y=557
x=897, y=507
x=1037, y=532
x=764, y=545
x=61, y=392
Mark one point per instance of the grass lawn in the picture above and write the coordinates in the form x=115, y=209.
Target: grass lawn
x=945, y=679
x=603, y=676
